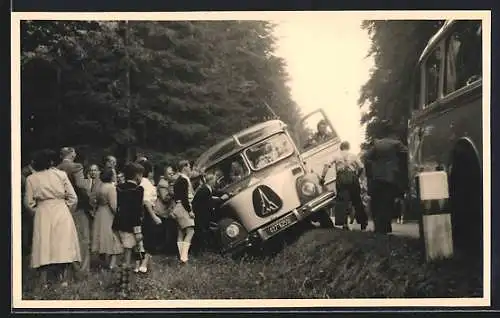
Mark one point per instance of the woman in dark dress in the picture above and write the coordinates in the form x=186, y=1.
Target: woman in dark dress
x=151, y=221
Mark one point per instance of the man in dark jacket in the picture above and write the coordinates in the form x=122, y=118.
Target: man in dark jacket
x=205, y=200
x=75, y=174
x=128, y=218
x=383, y=161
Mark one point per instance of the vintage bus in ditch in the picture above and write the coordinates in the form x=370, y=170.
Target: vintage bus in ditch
x=445, y=126
x=272, y=185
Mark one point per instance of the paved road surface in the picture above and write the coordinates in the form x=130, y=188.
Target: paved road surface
x=410, y=228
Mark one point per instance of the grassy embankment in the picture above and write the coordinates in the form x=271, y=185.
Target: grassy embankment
x=320, y=264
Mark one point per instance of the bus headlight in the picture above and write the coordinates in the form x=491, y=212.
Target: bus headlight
x=308, y=188
x=232, y=230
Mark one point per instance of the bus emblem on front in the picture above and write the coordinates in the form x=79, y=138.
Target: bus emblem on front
x=266, y=201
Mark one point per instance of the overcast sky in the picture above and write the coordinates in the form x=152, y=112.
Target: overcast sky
x=326, y=58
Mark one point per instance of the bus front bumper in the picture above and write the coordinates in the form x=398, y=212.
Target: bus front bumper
x=317, y=204
x=286, y=221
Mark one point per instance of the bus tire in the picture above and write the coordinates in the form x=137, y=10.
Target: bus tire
x=466, y=191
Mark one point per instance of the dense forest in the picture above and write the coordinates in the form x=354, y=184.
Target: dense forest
x=396, y=47
x=170, y=89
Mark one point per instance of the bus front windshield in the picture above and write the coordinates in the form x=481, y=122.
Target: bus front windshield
x=269, y=151
x=260, y=155
x=229, y=171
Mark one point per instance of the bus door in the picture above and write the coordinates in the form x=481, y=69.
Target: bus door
x=318, y=143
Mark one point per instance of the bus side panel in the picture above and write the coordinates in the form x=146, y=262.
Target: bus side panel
x=434, y=133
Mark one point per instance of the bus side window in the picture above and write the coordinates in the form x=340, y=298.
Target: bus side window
x=432, y=74
x=463, y=55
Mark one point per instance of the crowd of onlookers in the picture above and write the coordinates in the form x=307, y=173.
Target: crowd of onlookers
x=71, y=212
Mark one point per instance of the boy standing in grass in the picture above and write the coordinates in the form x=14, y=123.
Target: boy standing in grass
x=128, y=216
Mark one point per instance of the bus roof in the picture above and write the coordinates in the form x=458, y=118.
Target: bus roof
x=435, y=39
x=237, y=142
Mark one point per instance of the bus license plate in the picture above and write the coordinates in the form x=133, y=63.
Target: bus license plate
x=281, y=224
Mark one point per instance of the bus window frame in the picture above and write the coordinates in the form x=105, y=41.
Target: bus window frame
x=446, y=39
x=424, y=104
x=416, y=82
x=422, y=69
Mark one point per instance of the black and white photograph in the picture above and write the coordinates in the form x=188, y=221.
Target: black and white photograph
x=297, y=159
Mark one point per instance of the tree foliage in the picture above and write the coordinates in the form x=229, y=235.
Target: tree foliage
x=174, y=87
x=396, y=47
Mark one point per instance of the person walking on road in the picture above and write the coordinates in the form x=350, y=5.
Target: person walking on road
x=348, y=167
x=384, y=164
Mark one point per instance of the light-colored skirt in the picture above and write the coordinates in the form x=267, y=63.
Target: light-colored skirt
x=181, y=216
x=55, y=239
x=104, y=239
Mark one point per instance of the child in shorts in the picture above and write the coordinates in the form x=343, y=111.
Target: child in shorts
x=128, y=217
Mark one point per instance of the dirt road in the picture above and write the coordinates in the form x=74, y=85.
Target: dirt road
x=408, y=229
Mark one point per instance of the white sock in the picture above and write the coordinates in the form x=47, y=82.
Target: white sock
x=185, y=251
x=180, y=246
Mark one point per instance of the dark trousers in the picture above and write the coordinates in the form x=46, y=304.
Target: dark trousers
x=82, y=224
x=351, y=192
x=202, y=236
x=155, y=236
x=27, y=231
x=383, y=195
